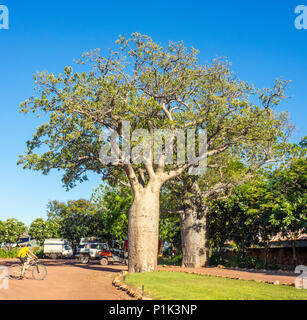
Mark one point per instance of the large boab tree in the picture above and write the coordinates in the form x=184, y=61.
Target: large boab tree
x=151, y=87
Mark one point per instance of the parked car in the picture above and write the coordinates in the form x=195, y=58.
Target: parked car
x=90, y=251
x=113, y=255
x=57, y=248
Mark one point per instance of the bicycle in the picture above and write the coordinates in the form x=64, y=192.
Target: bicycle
x=39, y=271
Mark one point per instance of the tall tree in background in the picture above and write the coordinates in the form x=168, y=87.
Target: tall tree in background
x=42, y=230
x=112, y=207
x=243, y=217
x=271, y=204
x=152, y=87
x=76, y=219
x=289, y=183
x=11, y=231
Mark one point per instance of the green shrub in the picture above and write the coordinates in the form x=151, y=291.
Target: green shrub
x=236, y=260
x=177, y=259
x=9, y=253
x=215, y=259
x=260, y=265
x=12, y=253
x=170, y=261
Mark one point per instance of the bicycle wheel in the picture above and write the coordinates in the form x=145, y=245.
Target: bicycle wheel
x=15, y=271
x=39, y=272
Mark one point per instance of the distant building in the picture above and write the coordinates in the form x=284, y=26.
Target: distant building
x=280, y=251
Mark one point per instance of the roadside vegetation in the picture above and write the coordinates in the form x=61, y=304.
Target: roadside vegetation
x=10, y=253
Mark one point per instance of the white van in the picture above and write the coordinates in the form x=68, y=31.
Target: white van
x=57, y=248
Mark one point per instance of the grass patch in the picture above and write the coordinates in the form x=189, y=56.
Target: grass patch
x=181, y=286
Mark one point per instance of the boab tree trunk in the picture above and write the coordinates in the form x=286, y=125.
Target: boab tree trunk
x=194, y=240
x=143, y=222
x=143, y=229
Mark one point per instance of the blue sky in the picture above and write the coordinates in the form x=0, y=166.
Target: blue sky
x=259, y=38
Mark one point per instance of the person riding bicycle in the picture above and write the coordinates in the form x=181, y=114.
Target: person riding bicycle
x=24, y=255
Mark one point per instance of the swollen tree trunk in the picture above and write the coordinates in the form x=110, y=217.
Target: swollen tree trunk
x=194, y=240
x=143, y=229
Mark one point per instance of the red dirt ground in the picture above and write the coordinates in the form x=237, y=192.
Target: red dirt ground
x=71, y=280
x=66, y=280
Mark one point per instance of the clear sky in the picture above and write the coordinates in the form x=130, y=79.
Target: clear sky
x=259, y=38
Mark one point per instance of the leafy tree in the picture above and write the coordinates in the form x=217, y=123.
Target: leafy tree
x=244, y=217
x=2, y=232
x=290, y=184
x=273, y=203
x=41, y=230
x=53, y=228
x=152, y=87
x=112, y=206
x=169, y=229
x=77, y=219
x=11, y=230
x=56, y=210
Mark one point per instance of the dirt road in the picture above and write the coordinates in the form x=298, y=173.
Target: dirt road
x=66, y=280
